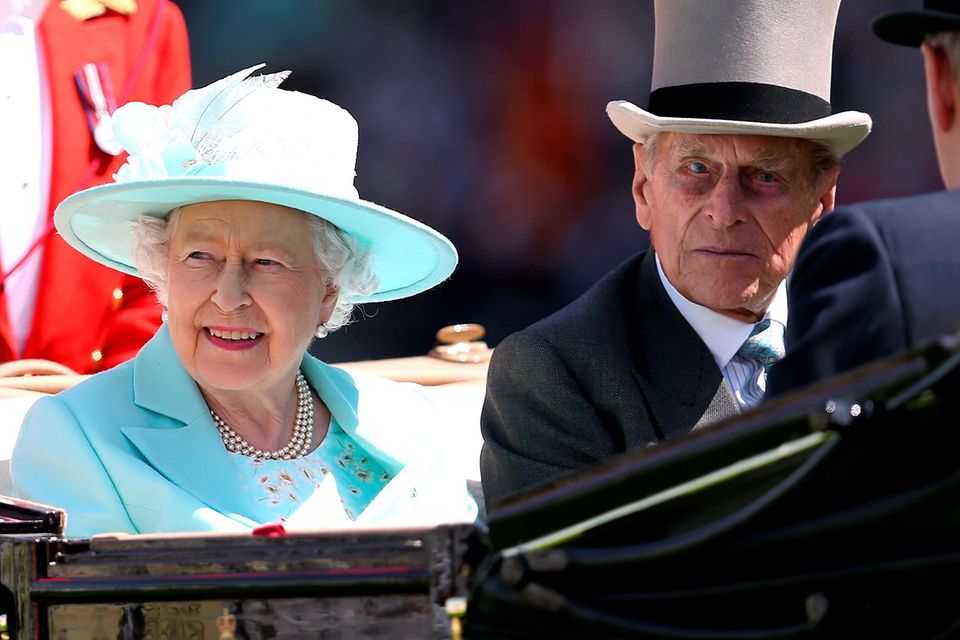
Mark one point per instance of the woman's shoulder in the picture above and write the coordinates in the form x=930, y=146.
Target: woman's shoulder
x=386, y=412
x=94, y=403
x=102, y=390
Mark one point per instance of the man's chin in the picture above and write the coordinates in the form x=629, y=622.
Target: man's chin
x=740, y=303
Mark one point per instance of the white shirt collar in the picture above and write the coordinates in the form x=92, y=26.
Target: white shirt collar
x=722, y=335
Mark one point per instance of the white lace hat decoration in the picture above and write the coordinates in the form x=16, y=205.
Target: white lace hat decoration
x=243, y=138
x=743, y=67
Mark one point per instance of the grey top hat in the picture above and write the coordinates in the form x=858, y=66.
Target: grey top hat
x=743, y=67
x=909, y=28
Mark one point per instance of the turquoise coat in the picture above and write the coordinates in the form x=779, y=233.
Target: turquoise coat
x=134, y=450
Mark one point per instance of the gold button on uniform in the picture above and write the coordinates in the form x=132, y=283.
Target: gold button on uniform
x=116, y=298
x=96, y=355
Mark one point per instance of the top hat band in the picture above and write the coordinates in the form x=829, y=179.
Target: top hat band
x=738, y=101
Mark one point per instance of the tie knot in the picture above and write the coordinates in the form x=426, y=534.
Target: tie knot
x=765, y=344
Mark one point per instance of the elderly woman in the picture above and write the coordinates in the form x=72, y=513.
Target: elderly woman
x=239, y=204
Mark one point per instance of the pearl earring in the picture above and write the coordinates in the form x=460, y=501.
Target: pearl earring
x=322, y=331
x=164, y=315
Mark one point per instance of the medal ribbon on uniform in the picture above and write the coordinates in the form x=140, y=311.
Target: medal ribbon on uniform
x=99, y=101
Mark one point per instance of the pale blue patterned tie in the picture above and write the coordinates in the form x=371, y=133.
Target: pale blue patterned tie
x=765, y=344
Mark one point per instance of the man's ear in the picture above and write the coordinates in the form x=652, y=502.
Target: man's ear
x=941, y=88
x=827, y=199
x=639, y=184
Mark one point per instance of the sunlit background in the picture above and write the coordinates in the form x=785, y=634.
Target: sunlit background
x=485, y=119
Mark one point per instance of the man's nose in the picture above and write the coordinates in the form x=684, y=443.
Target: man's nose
x=727, y=204
x=231, y=290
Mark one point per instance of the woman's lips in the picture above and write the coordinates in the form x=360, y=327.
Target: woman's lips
x=233, y=338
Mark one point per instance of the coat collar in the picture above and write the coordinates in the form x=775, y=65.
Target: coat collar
x=186, y=447
x=161, y=384
x=674, y=368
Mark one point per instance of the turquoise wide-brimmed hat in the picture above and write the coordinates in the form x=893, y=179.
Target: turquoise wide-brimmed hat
x=243, y=138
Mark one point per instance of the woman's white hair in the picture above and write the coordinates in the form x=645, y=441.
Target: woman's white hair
x=345, y=264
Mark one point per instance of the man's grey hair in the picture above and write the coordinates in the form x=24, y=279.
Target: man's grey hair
x=823, y=159
x=949, y=43
x=347, y=266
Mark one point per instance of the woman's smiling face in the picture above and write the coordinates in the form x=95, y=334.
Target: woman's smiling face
x=246, y=293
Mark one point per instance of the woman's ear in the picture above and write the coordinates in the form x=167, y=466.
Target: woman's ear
x=333, y=291
x=639, y=184
x=329, y=302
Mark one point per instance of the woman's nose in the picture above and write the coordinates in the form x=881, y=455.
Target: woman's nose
x=231, y=291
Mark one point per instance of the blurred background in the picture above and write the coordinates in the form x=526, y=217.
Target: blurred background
x=485, y=119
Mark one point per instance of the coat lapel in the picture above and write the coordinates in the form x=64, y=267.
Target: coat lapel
x=186, y=447
x=367, y=409
x=672, y=365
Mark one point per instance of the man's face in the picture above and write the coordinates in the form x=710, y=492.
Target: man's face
x=727, y=214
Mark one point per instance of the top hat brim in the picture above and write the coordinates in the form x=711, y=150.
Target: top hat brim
x=910, y=28
x=407, y=257
x=840, y=132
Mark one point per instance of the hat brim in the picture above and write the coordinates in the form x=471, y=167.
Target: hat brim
x=840, y=132
x=408, y=257
x=910, y=28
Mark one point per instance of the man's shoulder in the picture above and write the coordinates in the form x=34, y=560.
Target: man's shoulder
x=603, y=302
x=908, y=212
x=910, y=229
x=589, y=337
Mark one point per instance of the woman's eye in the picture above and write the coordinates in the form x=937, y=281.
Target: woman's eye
x=698, y=167
x=266, y=262
x=766, y=176
x=198, y=255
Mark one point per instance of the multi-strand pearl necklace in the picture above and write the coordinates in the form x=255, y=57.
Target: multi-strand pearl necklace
x=299, y=444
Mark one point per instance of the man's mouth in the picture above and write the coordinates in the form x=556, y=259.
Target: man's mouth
x=728, y=252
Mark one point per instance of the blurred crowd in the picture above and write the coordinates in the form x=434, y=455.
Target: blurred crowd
x=485, y=119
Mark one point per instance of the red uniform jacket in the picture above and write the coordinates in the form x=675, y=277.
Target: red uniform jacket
x=87, y=316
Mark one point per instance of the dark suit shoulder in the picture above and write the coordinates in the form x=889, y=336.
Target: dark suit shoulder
x=593, y=316
x=913, y=228
x=867, y=284
x=908, y=245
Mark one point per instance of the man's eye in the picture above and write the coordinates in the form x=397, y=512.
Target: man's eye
x=766, y=176
x=198, y=255
x=265, y=262
x=698, y=167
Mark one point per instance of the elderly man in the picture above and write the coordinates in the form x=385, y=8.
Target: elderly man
x=878, y=278
x=736, y=158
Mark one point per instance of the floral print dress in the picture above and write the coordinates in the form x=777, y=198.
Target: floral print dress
x=339, y=471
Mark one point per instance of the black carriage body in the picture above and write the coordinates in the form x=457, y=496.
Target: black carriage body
x=832, y=513
x=373, y=584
